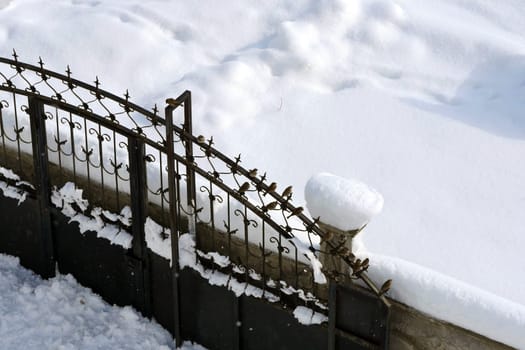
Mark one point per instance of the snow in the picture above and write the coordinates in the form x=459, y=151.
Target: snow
x=346, y=204
x=9, y=174
x=69, y=194
x=422, y=99
x=222, y=213
x=60, y=314
x=188, y=258
x=452, y=300
x=12, y=191
x=222, y=261
x=316, y=265
x=158, y=239
x=308, y=316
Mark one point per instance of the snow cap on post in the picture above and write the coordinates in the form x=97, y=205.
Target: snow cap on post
x=345, y=204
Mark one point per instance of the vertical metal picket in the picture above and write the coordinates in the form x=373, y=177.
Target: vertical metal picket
x=42, y=184
x=190, y=172
x=174, y=195
x=139, y=260
x=174, y=221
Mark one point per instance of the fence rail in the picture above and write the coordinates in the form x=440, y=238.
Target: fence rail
x=126, y=157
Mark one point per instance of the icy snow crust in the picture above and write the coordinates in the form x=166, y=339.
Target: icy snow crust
x=423, y=99
x=346, y=204
x=60, y=314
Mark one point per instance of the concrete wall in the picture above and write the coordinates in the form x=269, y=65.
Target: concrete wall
x=411, y=330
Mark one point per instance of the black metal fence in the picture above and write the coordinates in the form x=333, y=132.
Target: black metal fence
x=137, y=167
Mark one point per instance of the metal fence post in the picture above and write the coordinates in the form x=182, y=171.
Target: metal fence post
x=42, y=184
x=190, y=172
x=139, y=259
x=174, y=202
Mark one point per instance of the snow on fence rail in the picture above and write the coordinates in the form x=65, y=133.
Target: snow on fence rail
x=55, y=129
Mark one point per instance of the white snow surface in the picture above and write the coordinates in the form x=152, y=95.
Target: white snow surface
x=60, y=314
x=422, y=99
x=346, y=204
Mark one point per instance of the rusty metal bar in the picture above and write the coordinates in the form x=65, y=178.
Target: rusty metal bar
x=174, y=222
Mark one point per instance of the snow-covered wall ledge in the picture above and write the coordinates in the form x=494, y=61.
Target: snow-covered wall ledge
x=437, y=296
x=473, y=318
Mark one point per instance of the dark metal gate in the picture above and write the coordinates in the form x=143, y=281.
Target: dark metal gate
x=147, y=181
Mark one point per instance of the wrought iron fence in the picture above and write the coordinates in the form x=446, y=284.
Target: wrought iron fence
x=55, y=129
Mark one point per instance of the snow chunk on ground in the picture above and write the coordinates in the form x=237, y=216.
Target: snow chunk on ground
x=60, y=314
x=346, y=204
x=308, y=316
x=449, y=299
